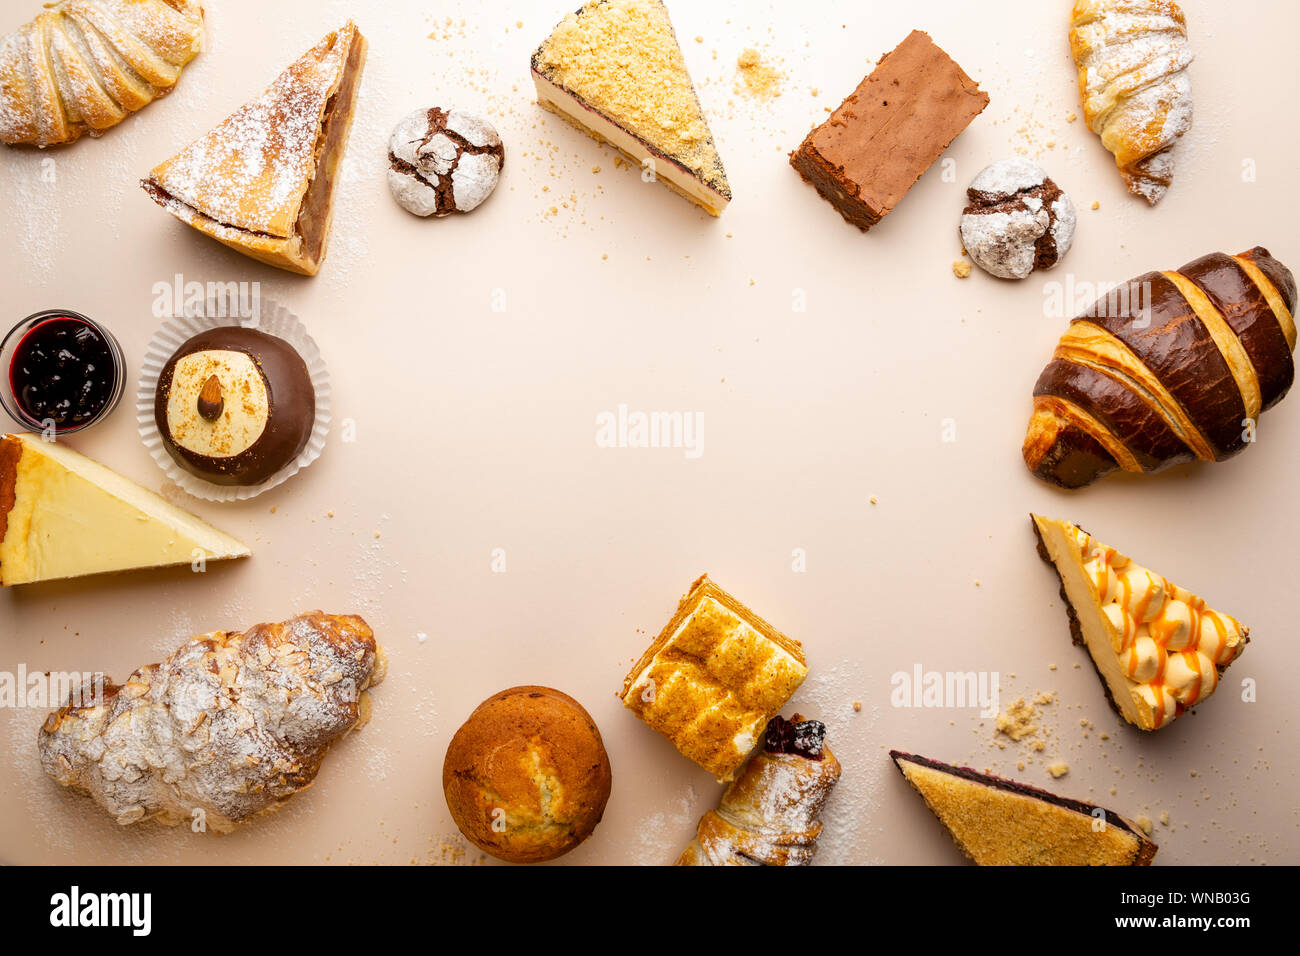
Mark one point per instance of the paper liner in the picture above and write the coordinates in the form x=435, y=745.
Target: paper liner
x=273, y=319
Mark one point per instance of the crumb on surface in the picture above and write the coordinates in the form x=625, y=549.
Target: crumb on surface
x=961, y=269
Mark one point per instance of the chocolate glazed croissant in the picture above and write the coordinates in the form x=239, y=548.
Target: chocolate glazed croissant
x=85, y=65
x=1173, y=367
x=769, y=816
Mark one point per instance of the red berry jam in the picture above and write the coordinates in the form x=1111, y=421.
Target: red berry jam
x=803, y=739
x=63, y=370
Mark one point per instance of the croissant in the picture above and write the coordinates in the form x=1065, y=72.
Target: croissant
x=229, y=726
x=1173, y=367
x=769, y=816
x=83, y=66
x=1132, y=57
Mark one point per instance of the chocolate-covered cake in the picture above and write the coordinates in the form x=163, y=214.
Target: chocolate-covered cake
x=235, y=405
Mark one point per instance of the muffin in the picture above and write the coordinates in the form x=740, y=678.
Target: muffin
x=527, y=777
x=235, y=405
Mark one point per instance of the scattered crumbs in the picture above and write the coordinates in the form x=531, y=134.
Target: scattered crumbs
x=272, y=509
x=1071, y=117
x=1164, y=817
x=977, y=582
x=1096, y=204
x=604, y=256
x=961, y=269
x=1058, y=769
x=596, y=169
x=1144, y=822
x=329, y=514
x=1105, y=736
x=376, y=534
x=857, y=706
x=1019, y=721
x=1020, y=765
x=757, y=78
x=1192, y=773
x=699, y=39
x=873, y=499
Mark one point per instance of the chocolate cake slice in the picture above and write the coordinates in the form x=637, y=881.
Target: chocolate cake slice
x=998, y=822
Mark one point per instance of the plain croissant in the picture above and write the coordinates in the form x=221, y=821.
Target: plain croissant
x=1132, y=57
x=229, y=726
x=1172, y=367
x=83, y=66
x=770, y=815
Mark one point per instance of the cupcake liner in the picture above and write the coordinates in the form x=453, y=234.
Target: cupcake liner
x=273, y=319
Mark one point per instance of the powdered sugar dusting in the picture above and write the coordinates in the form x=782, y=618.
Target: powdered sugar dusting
x=1132, y=58
x=252, y=170
x=229, y=724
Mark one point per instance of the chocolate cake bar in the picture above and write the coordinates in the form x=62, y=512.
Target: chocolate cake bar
x=889, y=131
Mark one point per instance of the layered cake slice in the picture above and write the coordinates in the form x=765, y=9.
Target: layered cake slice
x=999, y=822
x=615, y=70
x=63, y=515
x=1157, y=647
x=713, y=679
x=262, y=182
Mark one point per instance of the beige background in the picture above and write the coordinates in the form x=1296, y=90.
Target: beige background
x=475, y=430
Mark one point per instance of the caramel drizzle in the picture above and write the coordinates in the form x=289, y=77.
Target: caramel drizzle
x=1160, y=631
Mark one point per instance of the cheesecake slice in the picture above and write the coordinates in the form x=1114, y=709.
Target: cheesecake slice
x=615, y=70
x=1158, y=648
x=999, y=822
x=65, y=516
x=262, y=182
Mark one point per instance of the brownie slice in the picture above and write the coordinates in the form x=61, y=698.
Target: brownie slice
x=889, y=131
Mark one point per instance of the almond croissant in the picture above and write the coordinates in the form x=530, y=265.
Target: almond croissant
x=83, y=66
x=229, y=726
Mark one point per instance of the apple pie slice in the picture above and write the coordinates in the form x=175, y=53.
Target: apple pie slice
x=262, y=182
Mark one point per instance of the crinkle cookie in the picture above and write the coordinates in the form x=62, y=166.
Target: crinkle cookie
x=443, y=161
x=1017, y=220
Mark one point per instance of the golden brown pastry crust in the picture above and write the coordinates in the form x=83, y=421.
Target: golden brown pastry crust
x=770, y=815
x=526, y=777
x=83, y=67
x=1132, y=57
x=713, y=678
x=262, y=182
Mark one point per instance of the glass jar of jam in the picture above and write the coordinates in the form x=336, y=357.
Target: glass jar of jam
x=62, y=372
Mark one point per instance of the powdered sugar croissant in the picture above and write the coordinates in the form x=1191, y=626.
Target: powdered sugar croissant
x=770, y=815
x=83, y=66
x=229, y=726
x=1132, y=57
